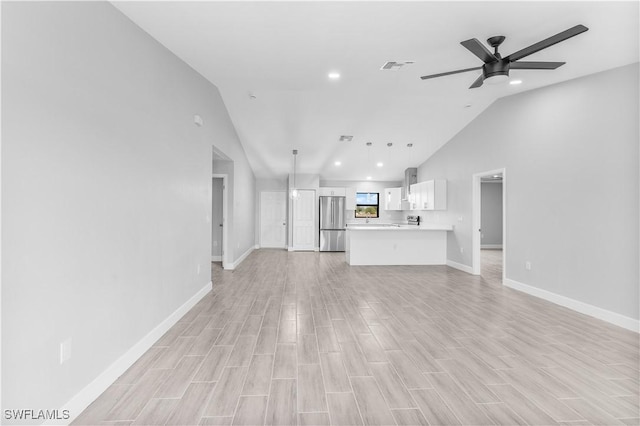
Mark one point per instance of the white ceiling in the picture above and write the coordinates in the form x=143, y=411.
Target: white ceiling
x=281, y=52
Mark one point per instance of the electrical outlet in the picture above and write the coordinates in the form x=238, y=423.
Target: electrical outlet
x=461, y=249
x=527, y=265
x=65, y=351
x=459, y=218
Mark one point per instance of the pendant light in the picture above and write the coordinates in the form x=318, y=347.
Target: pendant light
x=295, y=194
x=369, y=160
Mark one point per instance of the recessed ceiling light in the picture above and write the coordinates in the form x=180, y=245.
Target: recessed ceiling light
x=346, y=138
x=379, y=164
x=337, y=163
x=514, y=82
x=334, y=75
x=368, y=177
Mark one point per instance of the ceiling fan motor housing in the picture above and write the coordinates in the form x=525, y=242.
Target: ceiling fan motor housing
x=499, y=67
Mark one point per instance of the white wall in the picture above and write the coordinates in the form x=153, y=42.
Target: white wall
x=571, y=157
x=106, y=189
x=491, y=214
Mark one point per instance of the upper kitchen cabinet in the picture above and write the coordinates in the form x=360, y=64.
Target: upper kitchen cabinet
x=435, y=195
x=415, y=196
x=350, y=201
x=393, y=199
x=429, y=195
x=329, y=191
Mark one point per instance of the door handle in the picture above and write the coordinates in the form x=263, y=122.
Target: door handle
x=220, y=225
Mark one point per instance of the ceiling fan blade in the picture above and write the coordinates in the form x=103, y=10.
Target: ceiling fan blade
x=424, y=77
x=479, y=49
x=478, y=82
x=571, y=32
x=535, y=65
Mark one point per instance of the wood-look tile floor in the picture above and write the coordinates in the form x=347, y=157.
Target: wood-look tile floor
x=302, y=338
x=491, y=265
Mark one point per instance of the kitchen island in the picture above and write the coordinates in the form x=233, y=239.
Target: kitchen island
x=397, y=245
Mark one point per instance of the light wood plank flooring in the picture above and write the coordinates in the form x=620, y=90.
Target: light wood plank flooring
x=302, y=338
x=491, y=265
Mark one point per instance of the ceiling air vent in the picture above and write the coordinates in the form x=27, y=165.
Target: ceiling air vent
x=395, y=66
x=346, y=138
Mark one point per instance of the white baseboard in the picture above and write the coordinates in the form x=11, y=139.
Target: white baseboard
x=491, y=246
x=584, y=308
x=460, y=266
x=234, y=265
x=93, y=390
x=216, y=258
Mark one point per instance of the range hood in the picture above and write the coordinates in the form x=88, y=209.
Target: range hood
x=410, y=177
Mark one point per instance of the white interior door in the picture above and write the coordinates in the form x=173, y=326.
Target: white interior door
x=273, y=219
x=216, y=220
x=304, y=220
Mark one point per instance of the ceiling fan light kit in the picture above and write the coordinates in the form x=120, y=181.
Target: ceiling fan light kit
x=496, y=68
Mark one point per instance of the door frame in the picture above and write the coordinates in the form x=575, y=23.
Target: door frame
x=283, y=191
x=225, y=239
x=476, y=220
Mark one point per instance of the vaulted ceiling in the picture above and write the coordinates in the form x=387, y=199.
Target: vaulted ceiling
x=271, y=60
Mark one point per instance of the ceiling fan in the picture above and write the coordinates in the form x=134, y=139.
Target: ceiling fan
x=497, y=68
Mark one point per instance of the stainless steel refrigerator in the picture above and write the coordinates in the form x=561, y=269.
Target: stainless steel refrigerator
x=332, y=224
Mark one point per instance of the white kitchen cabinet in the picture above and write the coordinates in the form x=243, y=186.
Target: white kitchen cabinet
x=350, y=202
x=434, y=195
x=328, y=191
x=392, y=199
x=429, y=195
x=415, y=196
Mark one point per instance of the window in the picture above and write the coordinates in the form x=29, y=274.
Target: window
x=367, y=204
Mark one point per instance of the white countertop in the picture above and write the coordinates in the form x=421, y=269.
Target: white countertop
x=403, y=228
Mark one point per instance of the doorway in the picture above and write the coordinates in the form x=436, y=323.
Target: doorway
x=219, y=237
x=273, y=219
x=216, y=220
x=489, y=225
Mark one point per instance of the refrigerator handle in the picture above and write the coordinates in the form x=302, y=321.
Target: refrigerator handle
x=333, y=222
